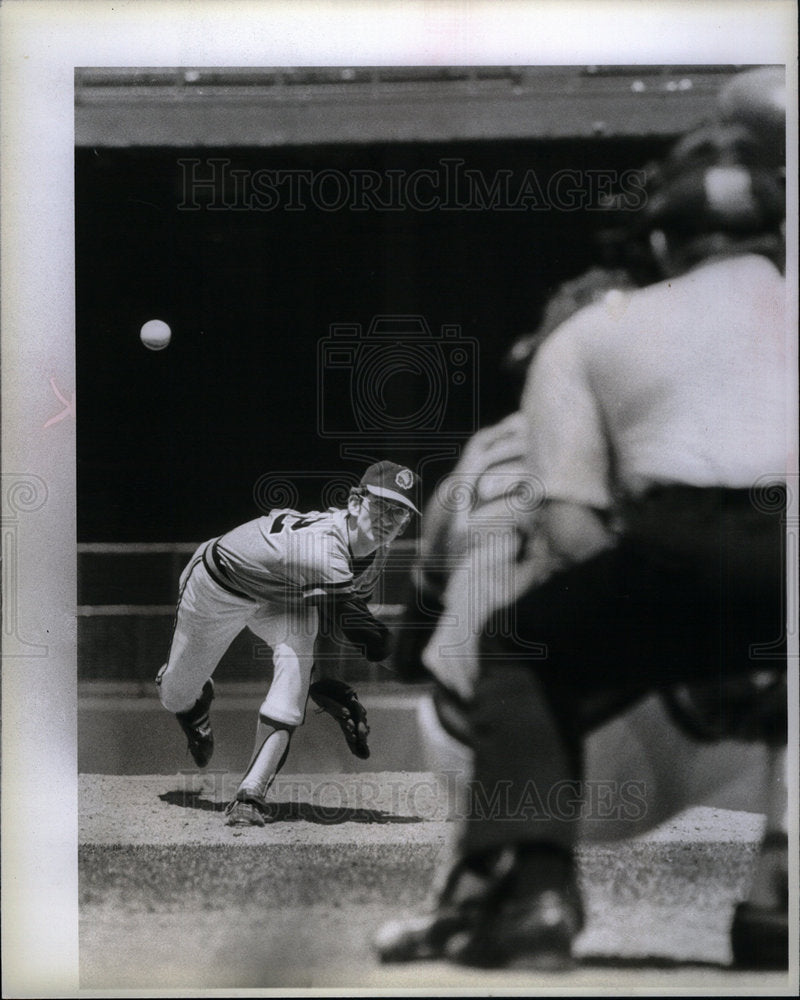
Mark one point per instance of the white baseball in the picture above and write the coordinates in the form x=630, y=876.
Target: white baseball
x=155, y=334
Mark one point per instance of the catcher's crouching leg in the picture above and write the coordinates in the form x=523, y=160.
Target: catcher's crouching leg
x=340, y=700
x=460, y=884
x=751, y=707
x=760, y=928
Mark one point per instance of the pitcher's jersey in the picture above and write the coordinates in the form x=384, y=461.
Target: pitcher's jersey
x=291, y=557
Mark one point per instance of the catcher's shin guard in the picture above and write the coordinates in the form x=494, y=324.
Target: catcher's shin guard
x=340, y=700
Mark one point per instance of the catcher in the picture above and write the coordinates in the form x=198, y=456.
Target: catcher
x=289, y=577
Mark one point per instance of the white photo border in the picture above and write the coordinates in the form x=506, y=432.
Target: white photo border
x=42, y=44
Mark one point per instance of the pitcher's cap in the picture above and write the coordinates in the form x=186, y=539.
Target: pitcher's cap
x=392, y=481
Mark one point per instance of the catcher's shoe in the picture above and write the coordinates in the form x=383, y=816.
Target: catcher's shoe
x=760, y=931
x=196, y=724
x=529, y=920
x=340, y=700
x=248, y=809
x=455, y=910
x=760, y=937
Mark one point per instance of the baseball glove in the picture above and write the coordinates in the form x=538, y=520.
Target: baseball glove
x=340, y=700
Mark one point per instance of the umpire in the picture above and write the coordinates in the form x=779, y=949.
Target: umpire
x=659, y=431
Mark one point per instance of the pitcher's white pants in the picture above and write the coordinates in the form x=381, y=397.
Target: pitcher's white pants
x=209, y=618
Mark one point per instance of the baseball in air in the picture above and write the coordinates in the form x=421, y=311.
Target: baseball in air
x=155, y=334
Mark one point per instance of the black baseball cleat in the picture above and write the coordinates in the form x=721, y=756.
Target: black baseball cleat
x=760, y=937
x=760, y=930
x=196, y=724
x=535, y=933
x=356, y=730
x=340, y=700
x=529, y=920
x=501, y=910
x=454, y=911
x=249, y=809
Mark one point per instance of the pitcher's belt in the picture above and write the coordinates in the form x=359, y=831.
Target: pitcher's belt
x=217, y=573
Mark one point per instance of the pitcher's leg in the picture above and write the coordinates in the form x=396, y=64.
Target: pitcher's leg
x=291, y=636
x=195, y=652
x=293, y=657
x=207, y=620
x=249, y=806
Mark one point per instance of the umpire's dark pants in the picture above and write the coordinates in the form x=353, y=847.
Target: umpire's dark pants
x=694, y=590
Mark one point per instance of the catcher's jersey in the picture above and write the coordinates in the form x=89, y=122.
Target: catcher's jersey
x=291, y=557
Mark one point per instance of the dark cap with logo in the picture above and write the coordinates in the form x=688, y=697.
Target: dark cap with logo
x=393, y=482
